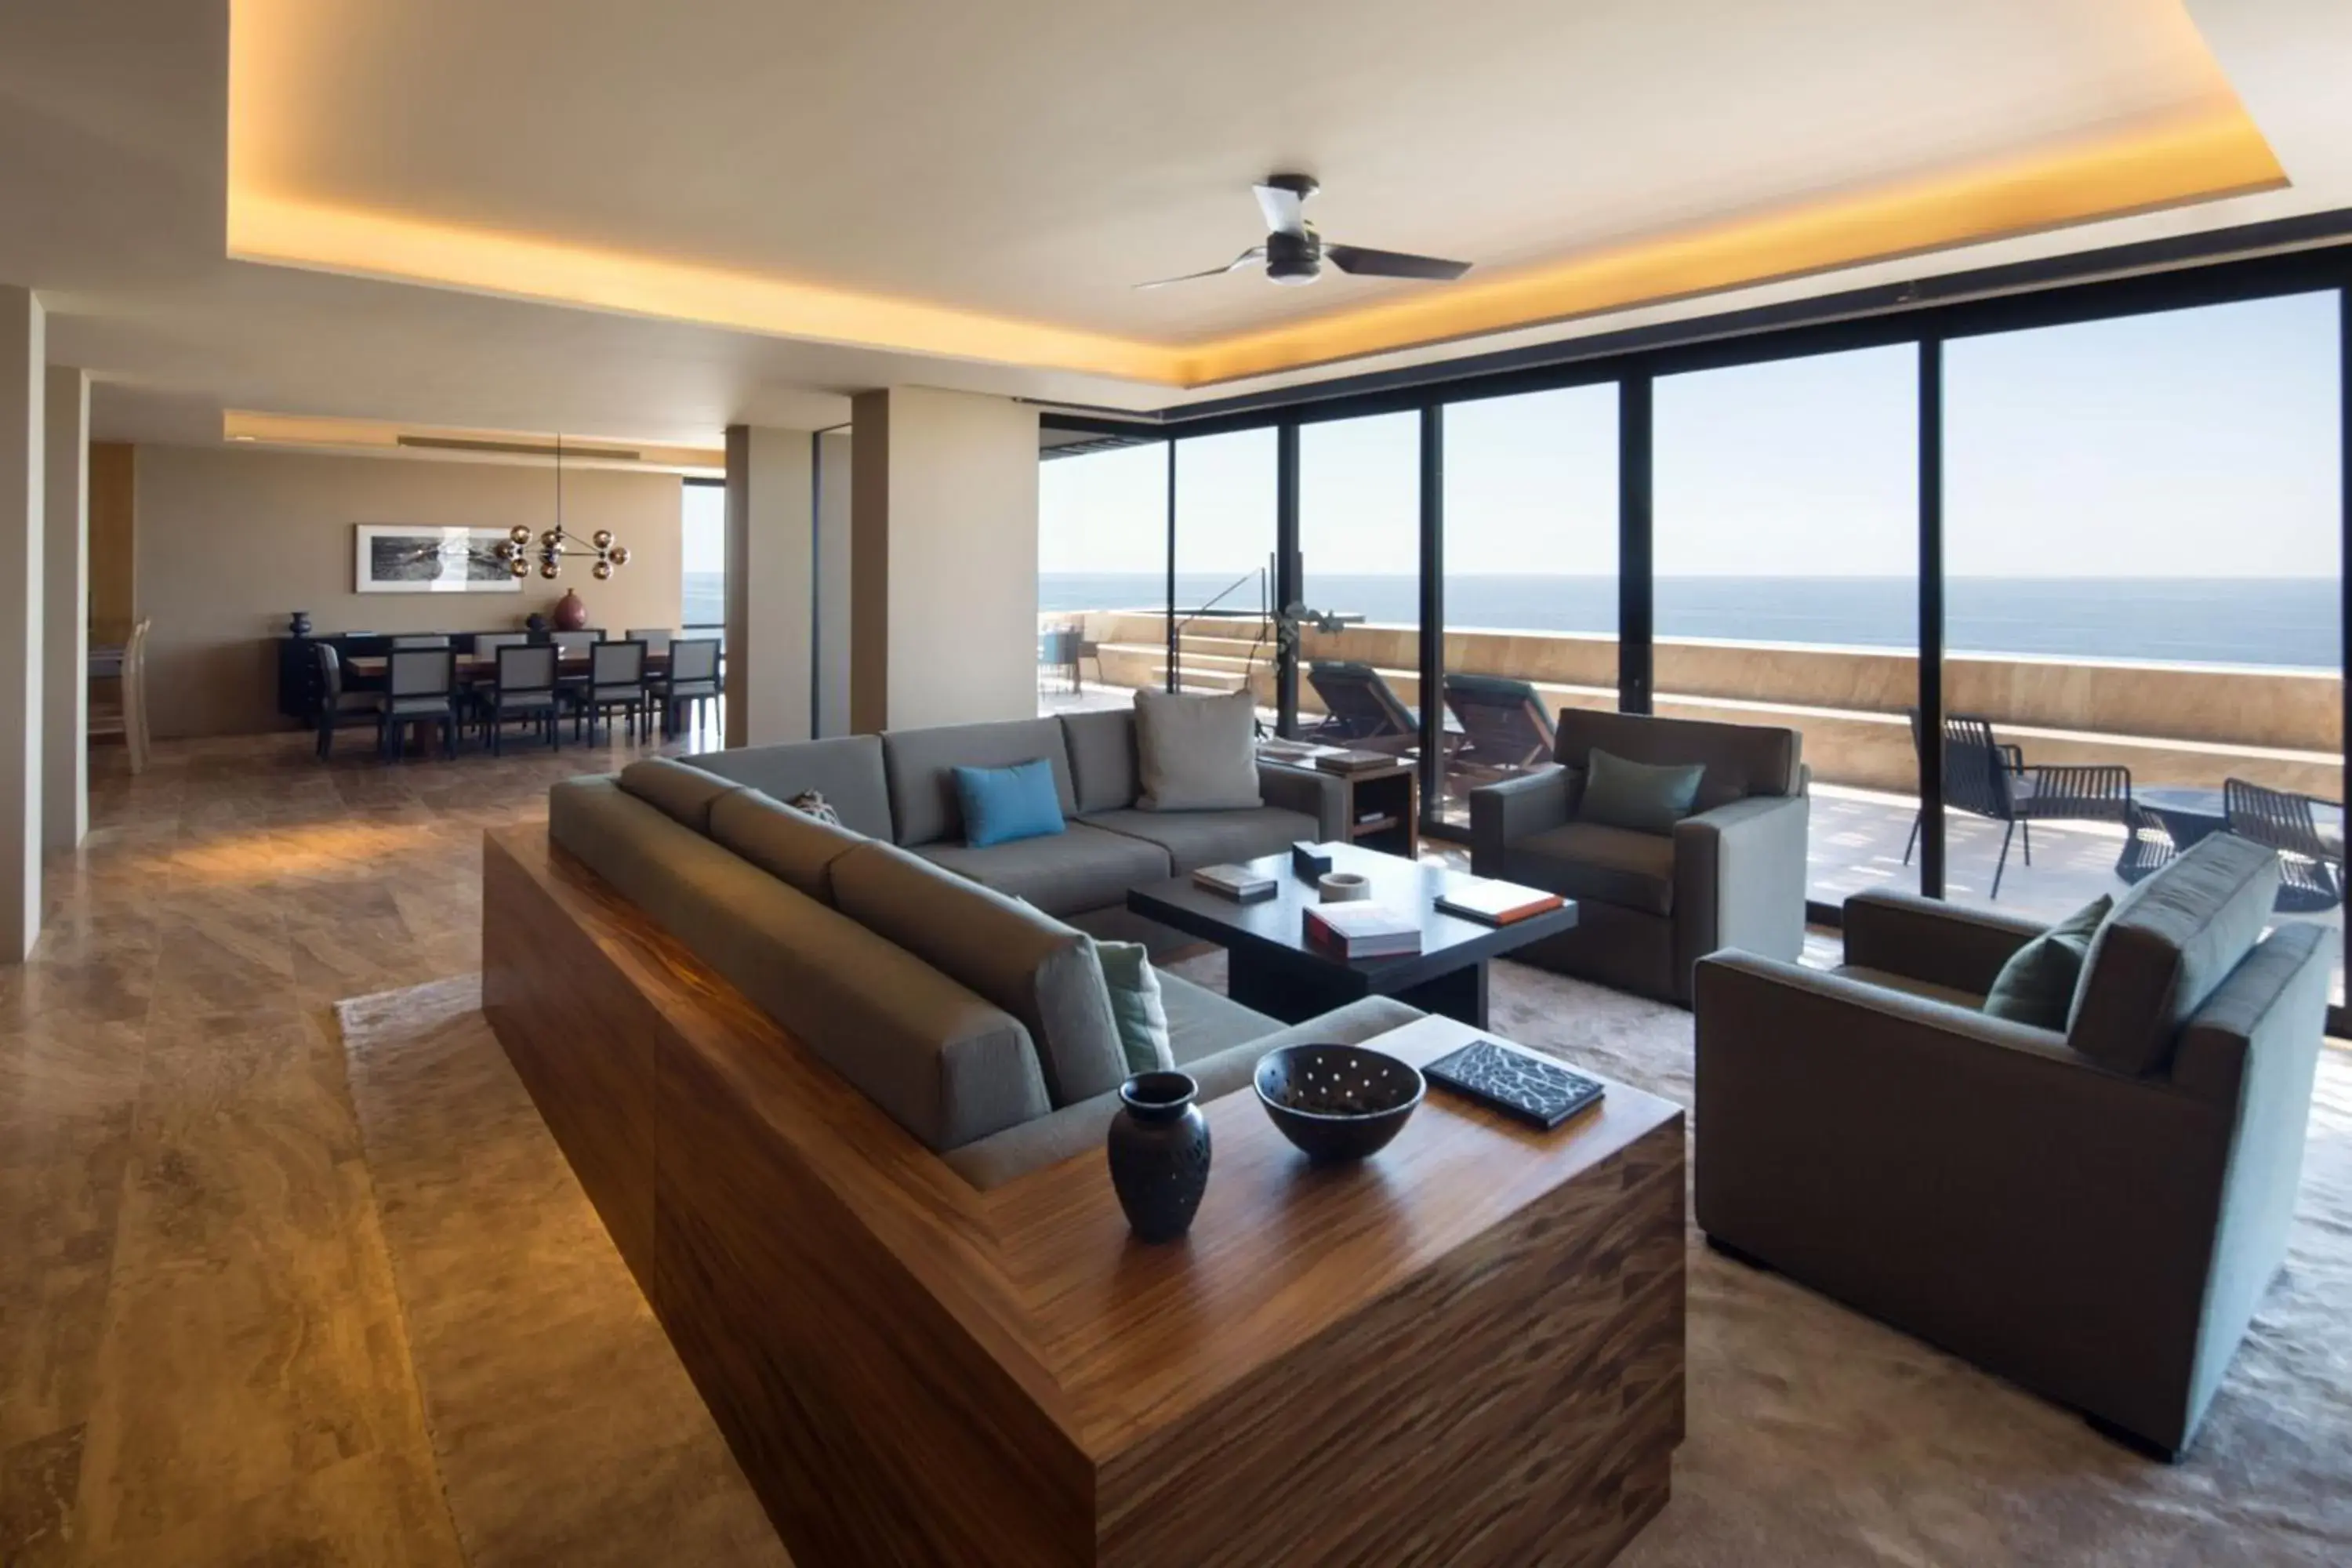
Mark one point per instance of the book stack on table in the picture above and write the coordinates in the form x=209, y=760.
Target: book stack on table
x=1237, y=882
x=1349, y=932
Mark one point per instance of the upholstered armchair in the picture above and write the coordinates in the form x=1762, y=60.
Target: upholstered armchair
x=2093, y=1211
x=1651, y=905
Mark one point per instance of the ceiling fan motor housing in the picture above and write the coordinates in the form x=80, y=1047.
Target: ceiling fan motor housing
x=1293, y=257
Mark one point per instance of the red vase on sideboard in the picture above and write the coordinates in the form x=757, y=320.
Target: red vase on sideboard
x=570, y=613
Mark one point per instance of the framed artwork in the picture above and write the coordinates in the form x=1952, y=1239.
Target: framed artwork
x=396, y=560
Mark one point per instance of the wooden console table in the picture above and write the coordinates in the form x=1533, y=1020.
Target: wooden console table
x=1468, y=1350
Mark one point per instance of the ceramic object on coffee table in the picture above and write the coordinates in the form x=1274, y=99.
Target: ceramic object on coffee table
x=1338, y=1102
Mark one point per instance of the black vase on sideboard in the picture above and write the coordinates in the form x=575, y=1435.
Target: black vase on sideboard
x=1159, y=1154
x=299, y=625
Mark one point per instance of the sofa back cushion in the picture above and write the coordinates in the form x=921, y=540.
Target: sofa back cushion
x=684, y=794
x=1102, y=758
x=921, y=766
x=786, y=843
x=942, y=1062
x=2168, y=944
x=1741, y=760
x=1041, y=972
x=1196, y=754
x=846, y=771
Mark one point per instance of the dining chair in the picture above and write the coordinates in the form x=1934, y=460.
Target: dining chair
x=572, y=642
x=525, y=689
x=655, y=638
x=129, y=720
x=616, y=678
x=691, y=679
x=420, y=688
x=422, y=639
x=334, y=704
x=490, y=642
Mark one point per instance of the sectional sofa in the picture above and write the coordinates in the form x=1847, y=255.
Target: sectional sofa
x=956, y=988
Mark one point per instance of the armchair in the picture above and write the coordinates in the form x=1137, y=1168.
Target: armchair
x=2093, y=1213
x=1651, y=905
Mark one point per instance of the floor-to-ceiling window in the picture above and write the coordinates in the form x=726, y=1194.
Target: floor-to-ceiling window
x=1102, y=563
x=1224, y=563
x=1360, y=555
x=1785, y=570
x=1531, y=577
x=2142, y=561
x=702, y=590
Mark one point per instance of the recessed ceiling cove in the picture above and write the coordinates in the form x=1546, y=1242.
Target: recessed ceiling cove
x=989, y=182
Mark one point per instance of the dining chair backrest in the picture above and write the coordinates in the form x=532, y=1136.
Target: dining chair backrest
x=134, y=695
x=694, y=658
x=579, y=639
x=490, y=642
x=330, y=665
x=616, y=664
x=655, y=638
x=433, y=641
x=422, y=672
x=522, y=668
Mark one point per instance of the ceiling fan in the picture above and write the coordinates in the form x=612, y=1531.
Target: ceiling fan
x=1295, y=253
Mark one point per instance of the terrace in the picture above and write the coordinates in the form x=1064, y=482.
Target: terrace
x=2171, y=725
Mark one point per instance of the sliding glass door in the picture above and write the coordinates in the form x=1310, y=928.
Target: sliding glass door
x=1102, y=582
x=1224, y=564
x=1360, y=553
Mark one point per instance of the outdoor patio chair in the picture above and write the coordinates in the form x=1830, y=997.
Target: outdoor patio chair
x=1505, y=728
x=1986, y=778
x=2311, y=867
x=1361, y=710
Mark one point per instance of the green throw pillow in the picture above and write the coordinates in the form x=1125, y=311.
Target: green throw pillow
x=1639, y=795
x=1135, y=1005
x=2037, y=985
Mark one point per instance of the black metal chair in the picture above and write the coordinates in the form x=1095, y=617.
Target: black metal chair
x=617, y=679
x=2311, y=870
x=525, y=691
x=1361, y=708
x=1505, y=728
x=1986, y=778
x=421, y=688
x=331, y=703
x=691, y=679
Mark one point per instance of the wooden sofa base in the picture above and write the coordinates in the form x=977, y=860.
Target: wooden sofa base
x=909, y=1370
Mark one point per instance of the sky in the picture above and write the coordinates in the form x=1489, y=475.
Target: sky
x=2188, y=444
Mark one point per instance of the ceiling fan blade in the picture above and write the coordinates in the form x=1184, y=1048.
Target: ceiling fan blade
x=1284, y=213
x=1363, y=263
x=1254, y=253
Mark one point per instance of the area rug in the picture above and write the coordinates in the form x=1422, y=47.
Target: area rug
x=564, y=1428
x=567, y=1432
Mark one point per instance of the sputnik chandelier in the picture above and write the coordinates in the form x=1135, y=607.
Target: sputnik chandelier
x=550, y=547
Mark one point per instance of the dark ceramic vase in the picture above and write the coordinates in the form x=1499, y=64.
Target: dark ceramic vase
x=300, y=624
x=570, y=613
x=1159, y=1154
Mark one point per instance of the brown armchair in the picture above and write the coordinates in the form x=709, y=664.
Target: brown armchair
x=1651, y=905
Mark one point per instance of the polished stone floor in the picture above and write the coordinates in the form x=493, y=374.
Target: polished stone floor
x=201, y=1358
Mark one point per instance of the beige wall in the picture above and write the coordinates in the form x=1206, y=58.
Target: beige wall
x=230, y=542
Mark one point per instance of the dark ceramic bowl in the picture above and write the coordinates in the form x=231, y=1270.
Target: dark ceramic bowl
x=1338, y=1102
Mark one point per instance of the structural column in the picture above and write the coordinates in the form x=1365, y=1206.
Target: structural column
x=23, y=517
x=943, y=559
x=770, y=585
x=833, y=581
x=65, y=702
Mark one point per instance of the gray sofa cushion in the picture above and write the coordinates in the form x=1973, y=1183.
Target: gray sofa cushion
x=1588, y=861
x=782, y=841
x=1201, y=1022
x=1197, y=839
x=846, y=771
x=1741, y=758
x=1080, y=1128
x=1023, y=959
x=942, y=1062
x=920, y=764
x=1102, y=758
x=1196, y=754
x=683, y=794
x=2169, y=943
x=1065, y=873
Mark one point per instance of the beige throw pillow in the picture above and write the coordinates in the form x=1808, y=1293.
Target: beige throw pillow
x=1196, y=754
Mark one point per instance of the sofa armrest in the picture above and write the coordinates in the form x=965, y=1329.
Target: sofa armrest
x=1930, y=939
x=1739, y=878
x=1512, y=809
x=1321, y=795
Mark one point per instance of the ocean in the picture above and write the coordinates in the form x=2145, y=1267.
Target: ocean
x=2276, y=622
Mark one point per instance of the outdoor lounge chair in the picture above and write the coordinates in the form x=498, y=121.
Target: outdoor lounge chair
x=2311, y=868
x=1505, y=729
x=1361, y=708
x=1985, y=778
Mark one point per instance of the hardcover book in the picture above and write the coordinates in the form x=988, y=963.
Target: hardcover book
x=1497, y=904
x=1354, y=931
x=1237, y=882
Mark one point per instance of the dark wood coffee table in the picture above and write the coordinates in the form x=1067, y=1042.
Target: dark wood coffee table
x=1272, y=970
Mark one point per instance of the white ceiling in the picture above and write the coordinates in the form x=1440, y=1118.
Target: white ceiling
x=1026, y=157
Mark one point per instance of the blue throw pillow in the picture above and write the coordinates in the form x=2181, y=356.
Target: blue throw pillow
x=1000, y=804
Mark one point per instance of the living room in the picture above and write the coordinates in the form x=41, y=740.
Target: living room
x=1655, y=876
